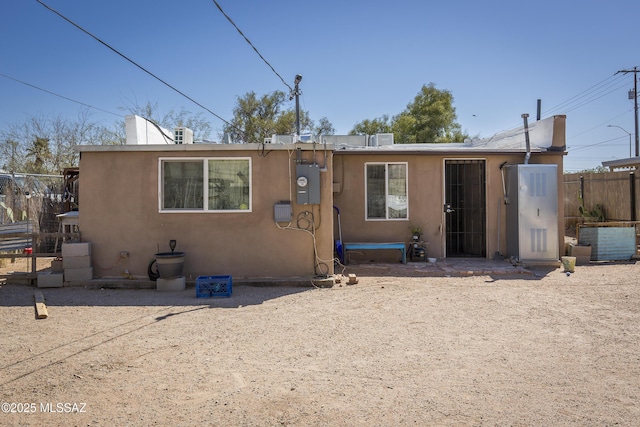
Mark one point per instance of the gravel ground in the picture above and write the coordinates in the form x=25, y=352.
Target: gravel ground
x=394, y=349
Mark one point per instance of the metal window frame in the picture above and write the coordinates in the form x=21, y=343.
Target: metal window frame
x=205, y=193
x=386, y=190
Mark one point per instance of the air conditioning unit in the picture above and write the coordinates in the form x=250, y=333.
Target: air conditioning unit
x=346, y=140
x=306, y=138
x=282, y=139
x=182, y=135
x=381, y=139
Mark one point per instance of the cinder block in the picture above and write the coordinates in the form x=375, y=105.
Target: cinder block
x=76, y=262
x=50, y=280
x=177, y=284
x=76, y=249
x=581, y=252
x=78, y=274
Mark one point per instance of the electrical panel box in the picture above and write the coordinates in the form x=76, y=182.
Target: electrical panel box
x=308, y=184
x=532, y=212
x=282, y=212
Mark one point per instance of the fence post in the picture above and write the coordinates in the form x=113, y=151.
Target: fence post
x=632, y=195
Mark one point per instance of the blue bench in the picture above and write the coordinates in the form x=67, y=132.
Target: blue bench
x=375, y=246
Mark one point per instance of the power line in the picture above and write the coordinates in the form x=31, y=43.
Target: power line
x=137, y=65
x=587, y=92
x=594, y=93
x=595, y=97
x=583, y=147
x=600, y=124
x=251, y=44
x=58, y=95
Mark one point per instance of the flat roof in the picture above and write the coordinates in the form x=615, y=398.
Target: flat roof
x=631, y=162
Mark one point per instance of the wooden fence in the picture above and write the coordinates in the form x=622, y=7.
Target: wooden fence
x=615, y=192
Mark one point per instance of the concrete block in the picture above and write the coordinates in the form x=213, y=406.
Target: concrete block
x=76, y=261
x=177, y=284
x=581, y=252
x=50, y=280
x=76, y=249
x=78, y=274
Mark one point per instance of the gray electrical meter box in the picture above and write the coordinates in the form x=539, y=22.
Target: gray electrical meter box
x=308, y=184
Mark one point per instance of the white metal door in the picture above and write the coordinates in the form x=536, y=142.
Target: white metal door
x=538, y=212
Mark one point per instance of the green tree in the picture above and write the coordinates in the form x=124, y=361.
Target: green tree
x=256, y=118
x=372, y=127
x=324, y=127
x=431, y=117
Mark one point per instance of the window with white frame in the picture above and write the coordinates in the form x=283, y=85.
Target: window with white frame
x=205, y=184
x=386, y=190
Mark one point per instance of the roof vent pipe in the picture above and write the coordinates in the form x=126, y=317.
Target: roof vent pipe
x=526, y=138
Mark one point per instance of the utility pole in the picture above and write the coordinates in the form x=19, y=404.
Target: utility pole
x=296, y=93
x=635, y=101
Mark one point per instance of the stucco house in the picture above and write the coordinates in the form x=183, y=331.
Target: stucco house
x=269, y=210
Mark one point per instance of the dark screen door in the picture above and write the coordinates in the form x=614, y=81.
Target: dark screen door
x=465, y=199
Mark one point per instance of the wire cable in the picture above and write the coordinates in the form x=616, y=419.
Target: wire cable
x=593, y=93
x=251, y=44
x=58, y=95
x=138, y=65
x=596, y=87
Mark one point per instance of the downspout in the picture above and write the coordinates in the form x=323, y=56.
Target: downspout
x=526, y=138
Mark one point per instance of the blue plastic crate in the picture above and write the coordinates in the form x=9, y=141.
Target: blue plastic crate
x=213, y=286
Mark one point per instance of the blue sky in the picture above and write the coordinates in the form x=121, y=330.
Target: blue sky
x=359, y=60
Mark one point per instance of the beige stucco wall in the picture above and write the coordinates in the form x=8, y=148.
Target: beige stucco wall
x=119, y=212
x=426, y=198
x=119, y=207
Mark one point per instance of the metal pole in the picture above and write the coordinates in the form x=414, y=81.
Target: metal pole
x=298, y=112
x=632, y=195
x=526, y=138
x=635, y=102
x=628, y=133
x=635, y=95
x=296, y=93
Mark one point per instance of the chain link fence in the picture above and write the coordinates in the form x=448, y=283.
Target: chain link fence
x=34, y=198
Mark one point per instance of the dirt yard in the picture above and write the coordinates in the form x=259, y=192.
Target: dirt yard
x=541, y=349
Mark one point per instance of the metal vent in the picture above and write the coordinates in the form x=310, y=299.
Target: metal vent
x=539, y=240
x=282, y=212
x=538, y=184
